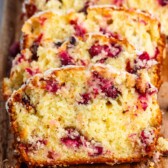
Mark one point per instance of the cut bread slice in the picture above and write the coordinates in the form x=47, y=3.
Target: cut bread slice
x=76, y=115
x=30, y=7
x=158, y=8
x=93, y=48
x=139, y=29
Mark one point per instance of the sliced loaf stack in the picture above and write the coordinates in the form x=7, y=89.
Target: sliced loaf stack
x=97, y=101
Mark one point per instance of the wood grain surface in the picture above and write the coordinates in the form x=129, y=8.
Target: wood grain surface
x=10, y=32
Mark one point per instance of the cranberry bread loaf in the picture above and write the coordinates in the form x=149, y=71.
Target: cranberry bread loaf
x=93, y=48
x=140, y=30
x=76, y=115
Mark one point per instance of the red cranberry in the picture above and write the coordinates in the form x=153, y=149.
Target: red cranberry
x=129, y=68
x=163, y=2
x=42, y=141
x=106, y=86
x=73, y=138
x=31, y=9
x=111, y=91
x=151, y=90
x=31, y=72
x=95, y=50
x=109, y=34
x=42, y=20
x=84, y=9
x=85, y=99
x=14, y=49
x=146, y=139
x=118, y=2
x=26, y=100
x=112, y=51
x=143, y=101
x=52, y=86
x=97, y=150
x=79, y=30
x=21, y=58
x=157, y=52
x=39, y=38
x=51, y=155
x=66, y=59
x=102, y=60
x=33, y=50
x=144, y=56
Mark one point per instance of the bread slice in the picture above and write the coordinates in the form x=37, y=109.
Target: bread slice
x=30, y=7
x=158, y=8
x=76, y=115
x=140, y=30
x=93, y=48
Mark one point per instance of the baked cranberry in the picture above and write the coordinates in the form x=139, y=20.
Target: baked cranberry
x=102, y=60
x=51, y=155
x=73, y=138
x=146, y=138
x=163, y=2
x=143, y=101
x=51, y=85
x=14, y=49
x=79, y=30
x=129, y=68
x=73, y=40
x=144, y=56
x=39, y=38
x=118, y=2
x=157, y=52
x=33, y=50
x=84, y=9
x=58, y=44
x=21, y=58
x=151, y=90
x=31, y=72
x=106, y=86
x=42, y=20
x=111, y=91
x=114, y=50
x=97, y=150
x=31, y=9
x=110, y=34
x=66, y=59
x=42, y=141
x=110, y=51
x=95, y=50
x=26, y=100
x=35, y=46
x=85, y=98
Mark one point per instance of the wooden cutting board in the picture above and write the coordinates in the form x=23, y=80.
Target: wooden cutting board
x=10, y=32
